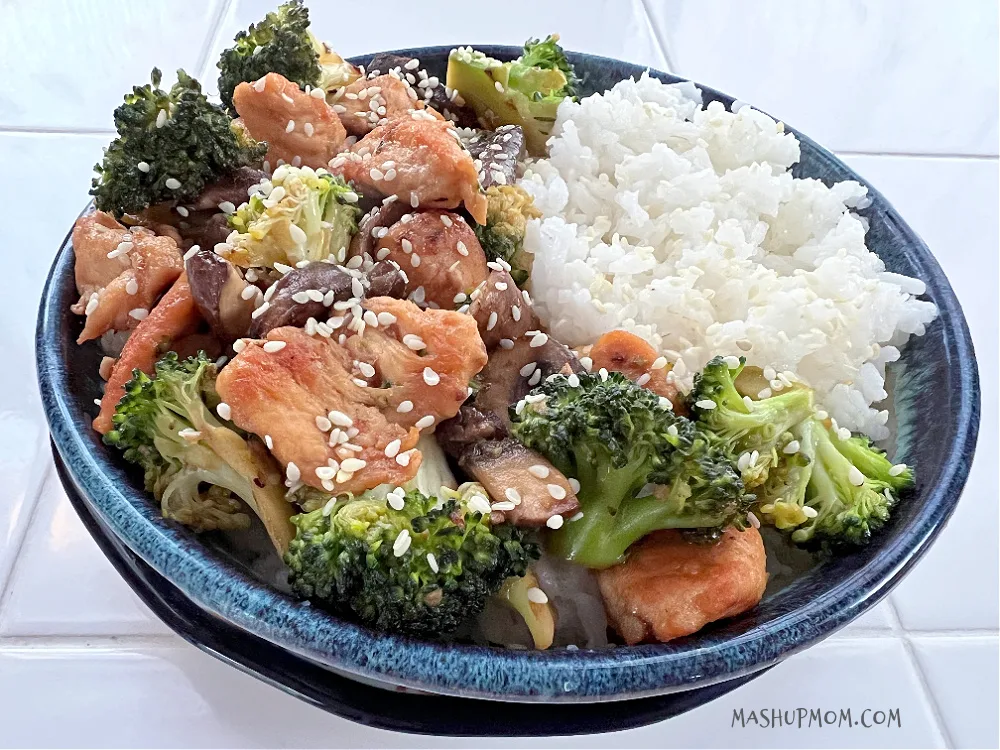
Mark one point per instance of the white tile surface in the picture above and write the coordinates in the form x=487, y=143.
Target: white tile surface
x=67, y=64
x=615, y=28
x=900, y=76
x=83, y=594
x=952, y=204
x=962, y=673
x=185, y=698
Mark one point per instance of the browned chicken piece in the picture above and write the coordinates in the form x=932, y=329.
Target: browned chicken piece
x=174, y=317
x=283, y=396
x=428, y=357
x=419, y=160
x=386, y=390
x=117, y=292
x=299, y=129
x=514, y=314
x=668, y=587
x=439, y=252
x=507, y=469
x=368, y=101
x=632, y=356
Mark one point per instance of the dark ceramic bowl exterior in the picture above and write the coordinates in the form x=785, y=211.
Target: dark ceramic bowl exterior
x=937, y=413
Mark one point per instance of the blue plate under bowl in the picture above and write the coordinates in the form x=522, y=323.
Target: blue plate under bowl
x=936, y=393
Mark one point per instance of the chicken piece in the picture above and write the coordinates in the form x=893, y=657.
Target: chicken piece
x=116, y=292
x=439, y=252
x=379, y=383
x=668, y=587
x=514, y=314
x=507, y=469
x=173, y=318
x=419, y=160
x=280, y=395
x=428, y=358
x=300, y=130
x=632, y=356
x=366, y=102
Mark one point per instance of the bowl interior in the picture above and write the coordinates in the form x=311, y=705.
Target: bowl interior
x=936, y=410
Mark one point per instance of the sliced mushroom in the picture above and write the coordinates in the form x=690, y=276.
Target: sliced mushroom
x=496, y=153
x=383, y=215
x=218, y=290
x=501, y=310
x=311, y=291
x=233, y=188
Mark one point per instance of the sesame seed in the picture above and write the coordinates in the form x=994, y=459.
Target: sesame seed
x=395, y=501
x=503, y=505
x=769, y=373
x=855, y=476
x=897, y=469
x=462, y=249
x=557, y=491
x=446, y=220
x=500, y=286
x=528, y=369
x=402, y=543
x=357, y=289
x=536, y=378
x=539, y=471
x=506, y=344
x=643, y=379
x=323, y=423
x=403, y=459
x=537, y=596
x=731, y=362
x=274, y=346
x=843, y=433
x=431, y=560
x=809, y=512
x=366, y=369
x=139, y=313
x=132, y=287
x=269, y=442
x=393, y=448
x=414, y=342
x=300, y=298
x=290, y=126
x=791, y=448
x=424, y=422
x=404, y=407
x=672, y=430
x=754, y=521
x=308, y=128
x=414, y=200
x=353, y=464
x=370, y=318
x=766, y=393
x=292, y=472
x=498, y=86
x=479, y=504
x=259, y=84
x=574, y=484
x=554, y=522
x=492, y=321
x=431, y=377
x=414, y=260
x=573, y=380
x=539, y=339
x=340, y=419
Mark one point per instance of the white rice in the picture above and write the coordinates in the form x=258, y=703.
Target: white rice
x=684, y=225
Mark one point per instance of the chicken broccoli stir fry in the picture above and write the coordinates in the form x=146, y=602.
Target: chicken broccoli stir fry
x=315, y=305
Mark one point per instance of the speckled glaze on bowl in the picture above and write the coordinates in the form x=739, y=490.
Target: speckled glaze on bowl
x=937, y=411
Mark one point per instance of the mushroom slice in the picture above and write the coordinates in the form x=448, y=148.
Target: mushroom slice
x=496, y=153
x=502, y=310
x=219, y=290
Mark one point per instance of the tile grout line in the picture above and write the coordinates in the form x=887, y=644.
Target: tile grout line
x=42, y=130
x=85, y=643
x=214, y=31
x=918, y=155
x=911, y=654
x=657, y=37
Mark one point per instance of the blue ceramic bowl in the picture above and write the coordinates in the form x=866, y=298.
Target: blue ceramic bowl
x=937, y=411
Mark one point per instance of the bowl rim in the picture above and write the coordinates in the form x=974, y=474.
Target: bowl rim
x=502, y=674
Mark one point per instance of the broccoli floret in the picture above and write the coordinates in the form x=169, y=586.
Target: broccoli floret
x=170, y=145
x=753, y=430
x=525, y=92
x=615, y=437
x=543, y=55
x=420, y=570
x=281, y=43
x=314, y=219
x=502, y=237
x=195, y=465
x=841, y=491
